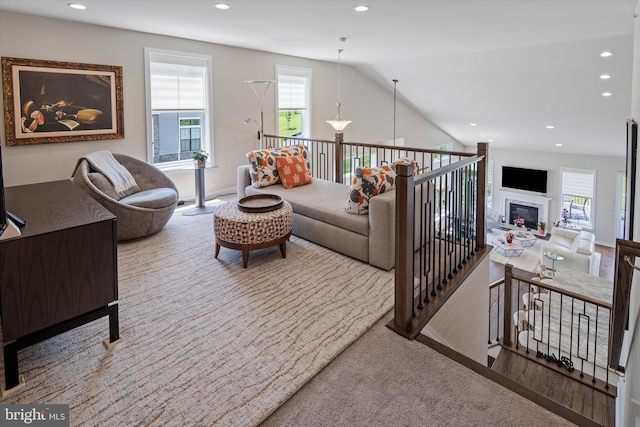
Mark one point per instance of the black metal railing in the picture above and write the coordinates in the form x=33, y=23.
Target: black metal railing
x=440, y=224
x=337, y=160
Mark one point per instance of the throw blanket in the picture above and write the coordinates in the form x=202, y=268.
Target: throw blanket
x=104, y=162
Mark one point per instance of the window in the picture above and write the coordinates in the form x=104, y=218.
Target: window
x=294, y=101
x=440, y=160
x=190, y=131
x=178, y=106
x=578, y=202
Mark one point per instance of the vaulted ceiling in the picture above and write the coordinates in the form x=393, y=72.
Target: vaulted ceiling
x=511, y=67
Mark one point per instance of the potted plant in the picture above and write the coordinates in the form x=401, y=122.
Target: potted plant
x=542, y=228
x=509, y=236
x=201, y=157
x=518, y=222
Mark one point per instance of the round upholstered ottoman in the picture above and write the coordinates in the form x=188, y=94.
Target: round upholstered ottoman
x=236, y=229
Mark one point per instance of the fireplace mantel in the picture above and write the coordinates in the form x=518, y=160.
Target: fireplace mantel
x=527, y=199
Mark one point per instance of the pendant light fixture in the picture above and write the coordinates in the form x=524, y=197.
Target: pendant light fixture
x=339, y=123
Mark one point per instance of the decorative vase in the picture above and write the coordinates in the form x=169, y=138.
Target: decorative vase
x=201, y=163
x=542, y=231
x=509, y=239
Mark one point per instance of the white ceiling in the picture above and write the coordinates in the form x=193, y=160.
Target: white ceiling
x=510, y=66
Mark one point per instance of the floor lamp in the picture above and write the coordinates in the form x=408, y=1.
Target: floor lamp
x=260, y=98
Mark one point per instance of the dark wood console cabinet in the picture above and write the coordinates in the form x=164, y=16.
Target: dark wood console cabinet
x=60, y=273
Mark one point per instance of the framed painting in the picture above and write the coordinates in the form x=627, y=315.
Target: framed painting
x=50, y=101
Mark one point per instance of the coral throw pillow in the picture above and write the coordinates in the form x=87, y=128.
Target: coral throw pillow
x=367, y=183
x=293, y=171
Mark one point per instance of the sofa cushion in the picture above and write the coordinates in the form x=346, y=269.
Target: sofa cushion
x=321, y=200
x=367, y=183
x=264, y=169
x=565, y=242
x=156, y=198
x=293, y=171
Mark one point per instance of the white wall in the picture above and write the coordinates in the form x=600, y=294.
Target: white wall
x=457, y=323
x=368, y=105
x=607, y=170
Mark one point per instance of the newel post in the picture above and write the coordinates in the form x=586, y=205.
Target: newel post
x=481, y=217
x=339, y=163
x=403, y=310
x=508, y=287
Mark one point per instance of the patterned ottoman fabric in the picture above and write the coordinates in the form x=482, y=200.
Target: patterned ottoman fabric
x=235, y=226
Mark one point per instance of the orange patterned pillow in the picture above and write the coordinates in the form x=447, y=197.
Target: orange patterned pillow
x=293, y=171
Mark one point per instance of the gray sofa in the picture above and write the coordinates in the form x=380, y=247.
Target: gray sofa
x=319, y=216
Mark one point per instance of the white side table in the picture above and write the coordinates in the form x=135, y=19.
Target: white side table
x=554, y=257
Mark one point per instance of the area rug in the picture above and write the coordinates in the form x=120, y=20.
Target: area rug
x=205, y=341
x=528, y=260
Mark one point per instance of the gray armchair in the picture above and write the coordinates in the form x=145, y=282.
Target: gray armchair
x=143, y=213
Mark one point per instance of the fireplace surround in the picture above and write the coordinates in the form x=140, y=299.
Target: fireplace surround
x=524, y=205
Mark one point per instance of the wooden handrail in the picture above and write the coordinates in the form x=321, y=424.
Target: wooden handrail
x=621, y=295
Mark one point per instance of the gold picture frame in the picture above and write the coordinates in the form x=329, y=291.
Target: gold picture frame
x=51, y=101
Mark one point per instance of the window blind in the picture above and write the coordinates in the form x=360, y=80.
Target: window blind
x=177, y=86
x=292, y=92
x=578, y=184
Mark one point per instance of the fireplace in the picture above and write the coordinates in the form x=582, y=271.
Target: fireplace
x=533, y=208
x=528, y=213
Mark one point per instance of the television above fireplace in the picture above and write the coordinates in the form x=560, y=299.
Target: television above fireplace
x=524, y=179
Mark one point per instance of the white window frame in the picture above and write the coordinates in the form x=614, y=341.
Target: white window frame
x=287, y=71
x=592, y=208
x=207, y=124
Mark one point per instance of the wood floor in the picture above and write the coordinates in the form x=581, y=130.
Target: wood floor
x=590, y=406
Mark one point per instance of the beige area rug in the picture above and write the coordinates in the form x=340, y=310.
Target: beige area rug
x=528, y=260
x=205, y=341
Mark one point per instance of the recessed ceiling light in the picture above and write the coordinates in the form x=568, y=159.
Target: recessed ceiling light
x=222, y=6
x=77, y=6
x=361, y=8
x=605, y=76
x=606, y=54
x=550, y=127
x=489, y=140
x=606, y=94
x=472, y=124
x=558, y=145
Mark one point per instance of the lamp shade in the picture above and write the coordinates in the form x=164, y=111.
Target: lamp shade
x=338, y=124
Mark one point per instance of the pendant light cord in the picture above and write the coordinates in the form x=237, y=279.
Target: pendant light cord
x=395, y=82
x=339, y=74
